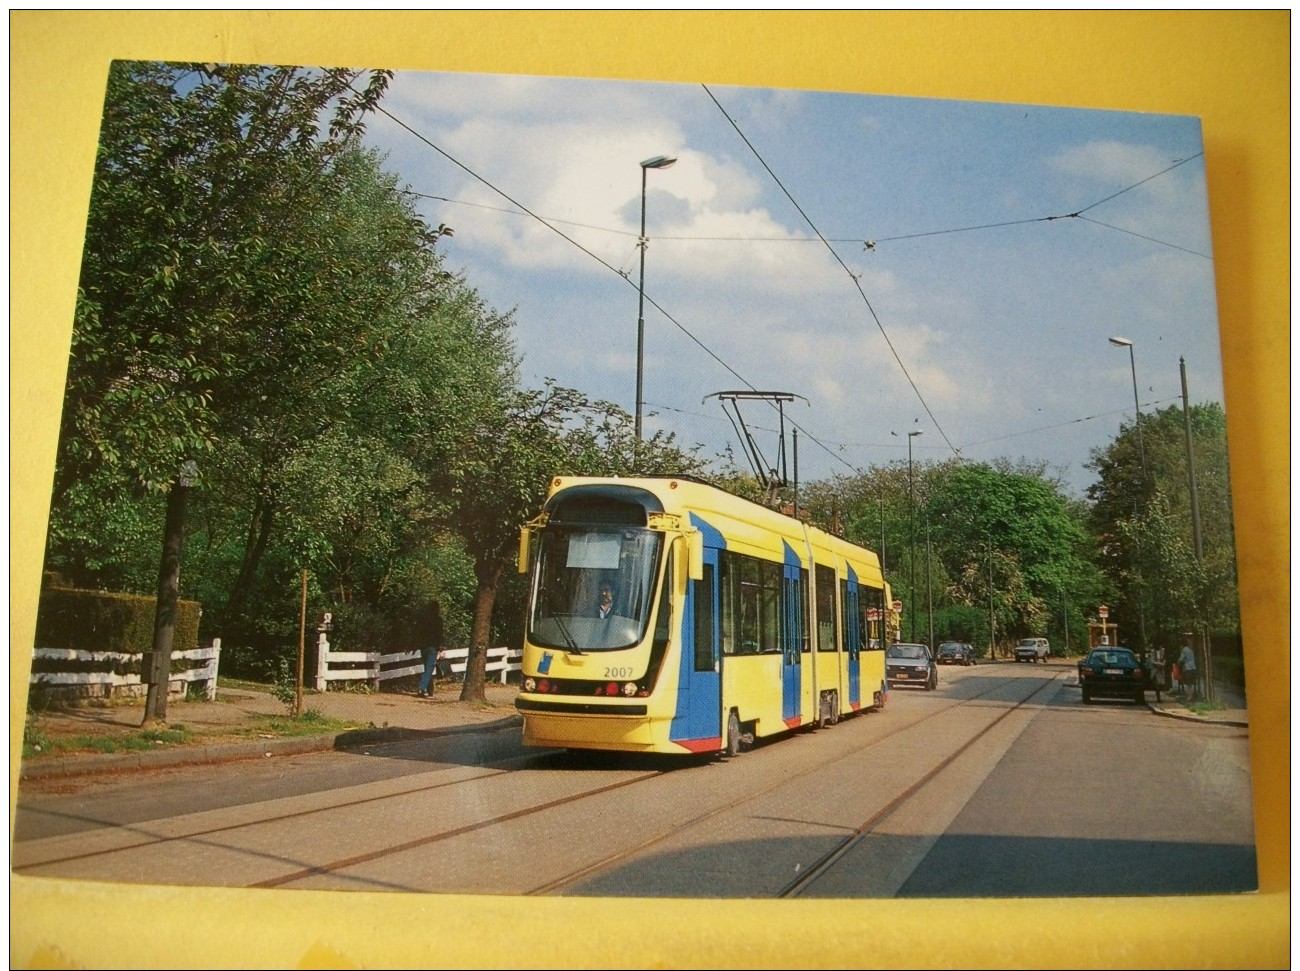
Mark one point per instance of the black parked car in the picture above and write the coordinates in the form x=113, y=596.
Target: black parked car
x=911, y=664
x=1112, y=672
x=955, y=652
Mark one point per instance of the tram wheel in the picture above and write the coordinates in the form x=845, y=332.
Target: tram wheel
x=733, y=735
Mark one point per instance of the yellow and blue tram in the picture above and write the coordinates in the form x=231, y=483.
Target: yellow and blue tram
x=666, y=615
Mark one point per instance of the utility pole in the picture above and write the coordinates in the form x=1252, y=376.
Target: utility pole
x=1202, y=632
x=929, y=589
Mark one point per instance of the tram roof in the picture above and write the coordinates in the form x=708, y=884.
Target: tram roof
x=683, y=494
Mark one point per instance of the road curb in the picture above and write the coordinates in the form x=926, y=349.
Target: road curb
x=80, y=765
x=1188, y=716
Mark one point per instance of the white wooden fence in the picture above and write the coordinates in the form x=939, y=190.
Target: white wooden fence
x=374, y=667
x=108, y=675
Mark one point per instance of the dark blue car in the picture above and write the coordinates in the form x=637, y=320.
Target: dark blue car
x=1112, y=672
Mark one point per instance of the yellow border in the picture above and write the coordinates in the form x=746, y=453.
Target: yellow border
x=1230, y=69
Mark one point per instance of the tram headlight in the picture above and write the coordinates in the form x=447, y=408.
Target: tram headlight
x=629, y=690
x=530, y=685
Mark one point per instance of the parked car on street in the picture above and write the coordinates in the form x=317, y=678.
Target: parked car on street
x=1112, y=672
x=1033, y=649
x=955, y=652
x=911, y=664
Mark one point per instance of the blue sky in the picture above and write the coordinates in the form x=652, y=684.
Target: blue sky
x=972, y=317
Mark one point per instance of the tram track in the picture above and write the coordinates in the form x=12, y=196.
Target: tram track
x=819, y=867
x=151, y=836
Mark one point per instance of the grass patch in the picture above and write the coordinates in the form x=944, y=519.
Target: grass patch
x=1204, y=707
x=37, y=743
x=311, y=722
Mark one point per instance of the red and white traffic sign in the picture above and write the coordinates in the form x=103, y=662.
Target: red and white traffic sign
x=1103, y=611
x=898, y=606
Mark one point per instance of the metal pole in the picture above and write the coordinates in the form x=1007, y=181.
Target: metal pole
x=911, y=531
x=640, y=314
x=1196, y=525
x=993, y=630
x=1146, y=484
x=911, y=527
x=302, y=649
x=882, y=536
x=794, y=434
x=929, y=590
x=658, y=162
x=1065, y=620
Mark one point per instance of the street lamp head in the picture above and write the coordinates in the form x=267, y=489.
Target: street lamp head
x=915, y=433
x=659, y=162
x=1120, y=341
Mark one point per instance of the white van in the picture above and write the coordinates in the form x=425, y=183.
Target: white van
x=1033, y=649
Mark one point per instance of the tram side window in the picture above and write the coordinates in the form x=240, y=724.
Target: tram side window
x=769, y=593
x=849, y=618
x=750, y=604
x=826, y=618
x=664, y=616
x=796, y=613
x=871, y=604
x=805, y=619
x=704, y=620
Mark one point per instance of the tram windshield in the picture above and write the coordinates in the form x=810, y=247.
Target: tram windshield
x=595, y=588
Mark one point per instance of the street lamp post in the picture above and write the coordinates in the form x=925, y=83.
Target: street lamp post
x=1137, y=408
x=911, y=527
x=1146, y=480
x=658, y=162
x=929, y=589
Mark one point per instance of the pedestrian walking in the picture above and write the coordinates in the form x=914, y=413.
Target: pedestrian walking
x=429, y=631
x=1187, y=673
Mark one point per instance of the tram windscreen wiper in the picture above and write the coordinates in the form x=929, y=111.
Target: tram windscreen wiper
x=571, y=646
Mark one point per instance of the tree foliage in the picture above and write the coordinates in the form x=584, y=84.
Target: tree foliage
x=1143, y=514
x=991, y=553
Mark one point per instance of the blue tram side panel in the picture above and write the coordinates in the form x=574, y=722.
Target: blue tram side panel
x=697, y=720
x=792, y=640
x=853, y=638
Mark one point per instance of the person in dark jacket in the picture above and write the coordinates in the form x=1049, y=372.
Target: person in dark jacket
x=429, y=630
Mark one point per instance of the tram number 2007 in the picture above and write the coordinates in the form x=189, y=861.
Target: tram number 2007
x=618, y=672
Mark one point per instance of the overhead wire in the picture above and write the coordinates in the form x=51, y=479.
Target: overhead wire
x=857, y=282
x=550, y=224
x=567, y=238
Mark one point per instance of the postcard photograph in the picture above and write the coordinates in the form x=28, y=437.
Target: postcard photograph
x=526, y=486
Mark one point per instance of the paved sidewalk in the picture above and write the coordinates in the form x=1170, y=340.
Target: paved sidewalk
x=228, y=728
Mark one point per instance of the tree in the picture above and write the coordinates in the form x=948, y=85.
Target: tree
x=205, y=250
x=502, y=471
x=1145, y=522
x=1003, y=539
x=257, y=294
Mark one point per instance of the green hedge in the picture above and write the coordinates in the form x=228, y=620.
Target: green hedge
x=90, y=620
